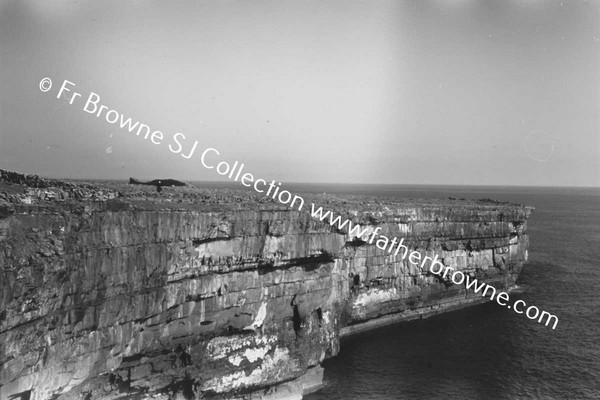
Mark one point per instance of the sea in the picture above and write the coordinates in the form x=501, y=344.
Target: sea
x=487, y=351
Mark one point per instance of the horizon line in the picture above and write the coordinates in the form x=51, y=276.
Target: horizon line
x=333, y=183
x=356, y=183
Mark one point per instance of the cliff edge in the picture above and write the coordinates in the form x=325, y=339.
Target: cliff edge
x=111, y=291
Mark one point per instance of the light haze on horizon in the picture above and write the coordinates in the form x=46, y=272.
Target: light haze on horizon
x=460, y=92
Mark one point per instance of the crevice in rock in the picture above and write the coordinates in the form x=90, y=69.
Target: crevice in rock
x=319, y=312
x=26, y=395
x=122, y=385
x=296, y=319
x=185, y=387
x=309, y=263
x=198, y=242
x=355, y=242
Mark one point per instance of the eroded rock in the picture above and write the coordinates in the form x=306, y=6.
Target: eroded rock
x=216, y=293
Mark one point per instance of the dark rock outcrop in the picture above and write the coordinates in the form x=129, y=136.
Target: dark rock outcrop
x=127, y=294
x=157, y=182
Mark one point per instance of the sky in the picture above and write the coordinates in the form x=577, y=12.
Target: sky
x=458, y=92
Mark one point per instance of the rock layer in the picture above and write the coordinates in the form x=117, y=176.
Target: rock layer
x=200, y=293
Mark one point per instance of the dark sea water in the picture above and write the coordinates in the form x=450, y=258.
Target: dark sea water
x=487, y=351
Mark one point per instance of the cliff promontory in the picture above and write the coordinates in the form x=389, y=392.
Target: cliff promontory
x=112, y=291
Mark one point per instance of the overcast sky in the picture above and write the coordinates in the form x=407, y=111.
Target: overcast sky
x=431, y=92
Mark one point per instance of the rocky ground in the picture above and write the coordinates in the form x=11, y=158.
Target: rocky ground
x=116, y=291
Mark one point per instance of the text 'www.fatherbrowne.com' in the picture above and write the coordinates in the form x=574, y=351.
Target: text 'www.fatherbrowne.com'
x=210, y=159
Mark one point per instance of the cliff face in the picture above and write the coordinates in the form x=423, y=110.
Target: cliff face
x=113, y=294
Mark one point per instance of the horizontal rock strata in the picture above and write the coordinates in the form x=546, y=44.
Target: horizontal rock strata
x=113, y=292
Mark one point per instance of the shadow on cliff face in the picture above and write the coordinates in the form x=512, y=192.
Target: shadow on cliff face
x=309, y=263
x=297, y=320
x=26, y=395
x=185, y=387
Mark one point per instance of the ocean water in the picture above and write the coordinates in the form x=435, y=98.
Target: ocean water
x=487, y=351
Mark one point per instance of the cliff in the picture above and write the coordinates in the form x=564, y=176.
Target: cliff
x=111, y=292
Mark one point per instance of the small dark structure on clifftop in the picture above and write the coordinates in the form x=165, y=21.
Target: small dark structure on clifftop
x=159, y=183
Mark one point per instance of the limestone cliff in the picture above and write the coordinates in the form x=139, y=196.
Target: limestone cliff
x=113, y=292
